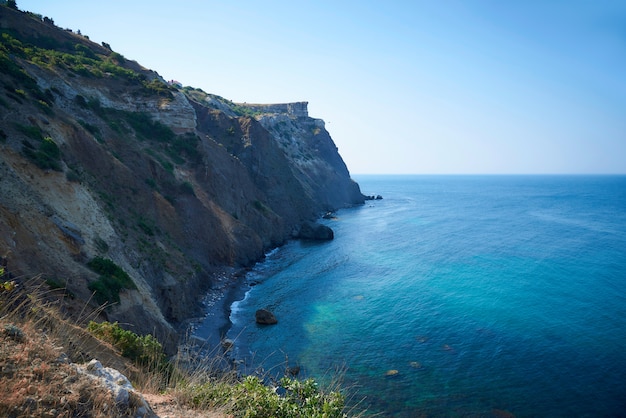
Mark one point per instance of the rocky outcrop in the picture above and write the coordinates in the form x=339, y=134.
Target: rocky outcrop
x=316, y=232
x=296, y=109
x=116, y=383
x=99, y=158
x=265, y=317
x=313, y=156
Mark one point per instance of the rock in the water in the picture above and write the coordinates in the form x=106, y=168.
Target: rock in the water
x=373, y=197
x=293, y=371
x=265, y=317
x=316, y=232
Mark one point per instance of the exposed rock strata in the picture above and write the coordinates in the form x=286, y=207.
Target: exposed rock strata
x=172, y=185
x=313, y=155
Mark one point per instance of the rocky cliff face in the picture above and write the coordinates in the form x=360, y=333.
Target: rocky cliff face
x=313, y=156
x=102, y=162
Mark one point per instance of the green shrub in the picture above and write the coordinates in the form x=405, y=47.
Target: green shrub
x=117, y=58
x=111, y=281
x=244, y=110
x=92, y=129
x=151, y=183
x=145, y=226
x=49, y=147
x=72, y=176
x=32, y=131
x=46, y=156
x=81, y=101
x=251, y=398
x=143, y=350
x=85, y=51
x=186, y=144
x=9, y=48
x=54, y=283
x=159, y=88
x=260, y=206
x=168, y=166
x=43, y=105
x=105, y=290
x=146, y=127
x=187, y=188
x=78, y=58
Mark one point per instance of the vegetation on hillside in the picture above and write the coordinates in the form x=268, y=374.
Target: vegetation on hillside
x=201, y=96
x=176, y=148
x=77, y=59
x=73, y=58
x=34, y=335
x=37, y=340
x=44, y=152
x=112, y=280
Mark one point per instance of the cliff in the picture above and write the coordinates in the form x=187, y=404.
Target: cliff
x=313, y=156
x=133, y=193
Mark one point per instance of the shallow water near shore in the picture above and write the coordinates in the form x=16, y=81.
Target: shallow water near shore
x=456, y=295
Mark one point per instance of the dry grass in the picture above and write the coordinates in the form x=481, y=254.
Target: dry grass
x=37, y=348
x=38, y=378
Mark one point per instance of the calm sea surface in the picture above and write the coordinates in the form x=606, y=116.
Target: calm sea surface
x=455, y=296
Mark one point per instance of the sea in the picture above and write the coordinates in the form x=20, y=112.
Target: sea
x=454, y=296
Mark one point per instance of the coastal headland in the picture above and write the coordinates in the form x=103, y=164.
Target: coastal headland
x=136, y=194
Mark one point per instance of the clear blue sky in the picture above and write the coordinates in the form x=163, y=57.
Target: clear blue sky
x=472, y=86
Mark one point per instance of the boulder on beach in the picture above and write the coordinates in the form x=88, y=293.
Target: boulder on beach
x=265, y=317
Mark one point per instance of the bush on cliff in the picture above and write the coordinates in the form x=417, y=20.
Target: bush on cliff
x=143, y=350
x=250, y=397
x=111, y=281
x=45, y=153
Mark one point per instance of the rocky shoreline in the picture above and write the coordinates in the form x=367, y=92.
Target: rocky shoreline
x=207, y=333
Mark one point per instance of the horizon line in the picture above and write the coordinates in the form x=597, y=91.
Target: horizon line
x=488, y=174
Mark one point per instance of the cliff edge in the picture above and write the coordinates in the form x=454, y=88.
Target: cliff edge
x=135, y=194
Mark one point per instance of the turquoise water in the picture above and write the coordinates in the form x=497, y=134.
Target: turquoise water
x=488, y=295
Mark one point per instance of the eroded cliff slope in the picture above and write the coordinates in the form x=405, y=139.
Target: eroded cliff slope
x=131, y=192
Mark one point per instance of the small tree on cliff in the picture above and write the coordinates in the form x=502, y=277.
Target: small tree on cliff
x=12, y=4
